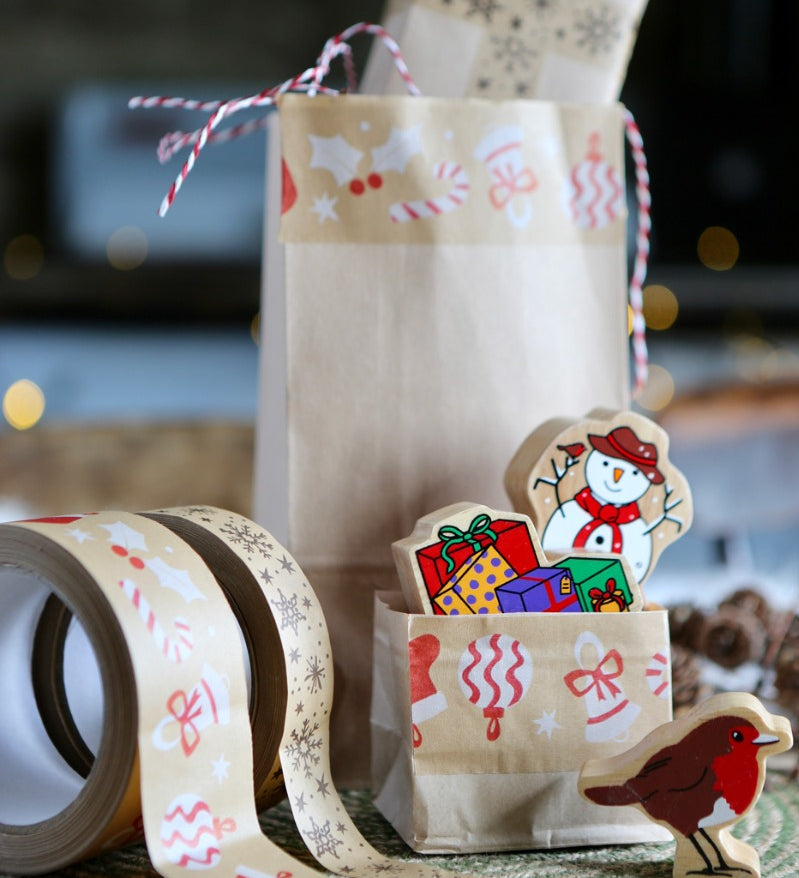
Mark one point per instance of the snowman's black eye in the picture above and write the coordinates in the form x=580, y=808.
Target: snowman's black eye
x=635, y=472
x=605, y=463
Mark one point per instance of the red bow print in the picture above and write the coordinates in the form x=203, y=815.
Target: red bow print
x=185, y=710
x=583, y=680
x=510, y=182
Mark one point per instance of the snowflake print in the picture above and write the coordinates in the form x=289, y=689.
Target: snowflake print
x=201, y=512
x=486, y=8
x=514, y=51
x=321, y=837
x=303, y=751
x=543, y=8
x=289, y=612
x=598, y=30
x=252, y=541
x=315, y=675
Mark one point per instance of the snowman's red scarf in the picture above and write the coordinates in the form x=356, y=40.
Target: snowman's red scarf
x=604, y=513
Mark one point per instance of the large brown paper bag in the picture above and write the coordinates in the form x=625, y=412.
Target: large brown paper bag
x=561, y=50
x=480, y=724
x=450, y=274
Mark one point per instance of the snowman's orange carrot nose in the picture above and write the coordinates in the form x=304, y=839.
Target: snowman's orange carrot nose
x=618, y=472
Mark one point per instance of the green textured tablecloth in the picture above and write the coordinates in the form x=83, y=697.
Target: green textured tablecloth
x=772, y=827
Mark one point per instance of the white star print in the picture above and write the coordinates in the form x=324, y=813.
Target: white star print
x=547, y=724
x=221, y=766
x=325, y=207
x=80, y=535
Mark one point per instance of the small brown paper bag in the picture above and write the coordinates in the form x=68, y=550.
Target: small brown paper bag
x=450, y=273
x=480, y=724
x=560, y=50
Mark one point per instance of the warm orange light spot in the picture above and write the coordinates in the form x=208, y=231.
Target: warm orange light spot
x=23, y=257
x=660, y=307
x=717, y=248
x=658, y=391
x=23, y=404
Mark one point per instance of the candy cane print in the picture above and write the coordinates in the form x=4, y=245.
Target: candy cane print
x=402, y=211
x=175, y=649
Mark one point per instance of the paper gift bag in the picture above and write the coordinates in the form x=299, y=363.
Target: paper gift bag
x=480, y=724
x=450, y=272
x=569, y=50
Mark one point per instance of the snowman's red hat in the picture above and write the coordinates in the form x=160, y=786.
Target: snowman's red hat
x=625, y=445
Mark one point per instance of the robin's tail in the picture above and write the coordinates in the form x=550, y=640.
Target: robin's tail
x=612, y=795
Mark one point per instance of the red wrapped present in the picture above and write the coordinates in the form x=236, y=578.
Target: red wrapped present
x=455, y=547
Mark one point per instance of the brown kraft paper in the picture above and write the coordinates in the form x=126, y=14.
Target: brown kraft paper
x=481, y=724
x=447, y=277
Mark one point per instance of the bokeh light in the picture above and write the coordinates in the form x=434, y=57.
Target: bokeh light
x=749, y=352
x=717, y=248
x=255, y=328
x=658, y=391
x=23, y=404
x=127, y=248
x=23, y=257
x=779, y=364
x=660, y=307
x=742, y=321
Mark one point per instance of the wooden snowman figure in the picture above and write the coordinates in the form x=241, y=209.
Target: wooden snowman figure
x=605, y=516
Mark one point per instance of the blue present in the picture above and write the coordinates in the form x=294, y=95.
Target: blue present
x=543, y=590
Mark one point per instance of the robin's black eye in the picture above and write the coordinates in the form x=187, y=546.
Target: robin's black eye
x=737, y=736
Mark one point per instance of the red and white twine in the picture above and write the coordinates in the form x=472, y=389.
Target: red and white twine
x=310, y=81
x=644, y=201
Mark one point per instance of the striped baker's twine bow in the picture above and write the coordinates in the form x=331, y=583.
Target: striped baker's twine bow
x=310, y=81
x=644, y=201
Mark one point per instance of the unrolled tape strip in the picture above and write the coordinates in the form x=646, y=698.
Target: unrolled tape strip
x=164, y=600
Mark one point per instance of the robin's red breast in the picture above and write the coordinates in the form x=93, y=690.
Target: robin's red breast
x=705, y=775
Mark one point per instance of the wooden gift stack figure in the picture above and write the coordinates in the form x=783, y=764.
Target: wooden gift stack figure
x=604, y=484
x=697, y=776
x=467, y=559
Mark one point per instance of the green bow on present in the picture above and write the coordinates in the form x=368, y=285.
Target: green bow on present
x=453, y=536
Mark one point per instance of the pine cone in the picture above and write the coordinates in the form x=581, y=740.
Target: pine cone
x=686, y=679
x=731, y=637
x=786, y=679
x=685, y=623
x=751, y=600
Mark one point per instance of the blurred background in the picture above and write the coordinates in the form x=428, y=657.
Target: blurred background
x=113, y=318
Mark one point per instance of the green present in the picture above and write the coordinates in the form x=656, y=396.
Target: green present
x=601, y=584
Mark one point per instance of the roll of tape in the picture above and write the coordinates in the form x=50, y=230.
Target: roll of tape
x=164, y=600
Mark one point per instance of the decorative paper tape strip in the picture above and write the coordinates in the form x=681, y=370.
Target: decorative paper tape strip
x=155, y=604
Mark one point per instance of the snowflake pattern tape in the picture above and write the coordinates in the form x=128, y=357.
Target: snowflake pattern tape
x=154, y=594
